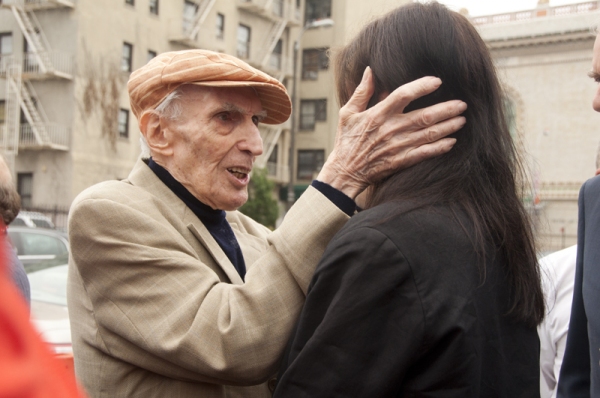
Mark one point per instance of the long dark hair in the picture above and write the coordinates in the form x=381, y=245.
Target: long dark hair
x=482, y=173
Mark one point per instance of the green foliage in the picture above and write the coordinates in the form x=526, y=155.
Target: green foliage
x=261, y=206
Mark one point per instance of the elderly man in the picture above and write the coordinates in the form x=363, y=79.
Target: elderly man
x=580, y=370
x=174, y=293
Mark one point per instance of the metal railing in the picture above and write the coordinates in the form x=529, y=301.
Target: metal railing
x=35, y=4
x=59, y=136
x=60, y=63
x=540, y=12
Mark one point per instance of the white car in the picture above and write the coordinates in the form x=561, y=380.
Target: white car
x=33, y=219
x=49, y=312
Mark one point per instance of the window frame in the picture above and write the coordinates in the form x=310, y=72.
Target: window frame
x=302, y=172
x=316, y=9
x=245, y=54
x=127, y=63
x=220, y=26
x=26, y=197
x=12, y=43
x=123, y=133
x=150, y=55
x=2, y=112
x=319, y=113
x=313, y=61
x=153, y=7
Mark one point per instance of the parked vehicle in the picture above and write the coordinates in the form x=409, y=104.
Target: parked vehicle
x=49, y=312
x=32, y=219
x=39, y=248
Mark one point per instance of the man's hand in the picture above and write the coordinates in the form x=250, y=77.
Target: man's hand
x=372, y=144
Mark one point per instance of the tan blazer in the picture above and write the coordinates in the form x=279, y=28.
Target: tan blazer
x=158, y=310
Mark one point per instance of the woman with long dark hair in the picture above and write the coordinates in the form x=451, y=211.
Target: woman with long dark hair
x=433, y=290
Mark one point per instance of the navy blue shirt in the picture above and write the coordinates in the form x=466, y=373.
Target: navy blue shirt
x=217, y=225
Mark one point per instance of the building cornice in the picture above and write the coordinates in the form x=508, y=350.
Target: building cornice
x=542, y=26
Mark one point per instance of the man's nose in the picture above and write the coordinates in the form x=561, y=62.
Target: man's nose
x=253, y=142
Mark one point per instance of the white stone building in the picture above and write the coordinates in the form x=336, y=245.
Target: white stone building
x=543, y=58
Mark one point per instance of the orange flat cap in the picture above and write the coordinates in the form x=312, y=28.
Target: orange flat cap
x=152, y=83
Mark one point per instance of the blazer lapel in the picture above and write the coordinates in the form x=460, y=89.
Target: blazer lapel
x=211, y=245
x=142, y=175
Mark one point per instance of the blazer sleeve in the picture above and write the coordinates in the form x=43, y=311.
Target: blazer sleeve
x=362, y=323
x=574, y=378
x=159, y=307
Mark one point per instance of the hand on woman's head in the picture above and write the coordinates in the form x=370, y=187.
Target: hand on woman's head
x=373, y=143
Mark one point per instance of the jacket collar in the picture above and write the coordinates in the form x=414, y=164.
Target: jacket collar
x=142, y=176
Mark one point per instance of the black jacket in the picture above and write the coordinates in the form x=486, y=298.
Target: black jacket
x=402, y=306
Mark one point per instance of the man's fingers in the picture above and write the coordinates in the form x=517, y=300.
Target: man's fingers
x=422, y=118
x=440, y=130
x=363, y=93
x=405, y=94
x=423, y=152
x=439, y=112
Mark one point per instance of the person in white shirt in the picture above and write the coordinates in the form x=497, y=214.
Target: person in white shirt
x=558, y=274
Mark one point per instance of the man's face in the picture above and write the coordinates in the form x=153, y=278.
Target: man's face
x=595, y=74
x=215, y=142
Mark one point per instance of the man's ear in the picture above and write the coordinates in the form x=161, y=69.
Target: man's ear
x=155, y=134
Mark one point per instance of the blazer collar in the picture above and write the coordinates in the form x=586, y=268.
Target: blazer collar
x=142, y=176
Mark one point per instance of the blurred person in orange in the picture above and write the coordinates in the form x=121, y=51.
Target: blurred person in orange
x=27, y=367
x=10, y=205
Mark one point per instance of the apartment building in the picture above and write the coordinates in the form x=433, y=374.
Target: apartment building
x=543, y=56
x=317, y=104
x=64, y=64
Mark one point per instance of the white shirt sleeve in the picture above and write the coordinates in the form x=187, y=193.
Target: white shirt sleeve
x=558, y=275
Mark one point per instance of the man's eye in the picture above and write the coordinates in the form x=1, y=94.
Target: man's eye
x=255, y=120
x=225, y=116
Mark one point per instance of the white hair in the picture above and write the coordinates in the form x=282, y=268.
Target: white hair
x=169, y=108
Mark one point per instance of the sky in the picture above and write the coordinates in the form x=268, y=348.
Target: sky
x=487, y=7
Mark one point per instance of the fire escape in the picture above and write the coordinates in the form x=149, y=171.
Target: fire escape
x=269, y=57
x=187, y=30
x=26, y=124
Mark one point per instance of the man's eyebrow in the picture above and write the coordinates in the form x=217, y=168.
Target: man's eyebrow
x=229, y=107
x=594, y=75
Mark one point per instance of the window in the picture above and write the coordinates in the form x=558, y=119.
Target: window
x=40, y=244
x=123, y=123
x=275, y=60
x=309, y=163
x=154, y=7
x=243, y=41
x=220, y=26
x=6, y=43
x=130, y=2
x=2, y=111
x=312, y=111
x=317, y=9
x=272, y=161
x=126, y=57
x=314, y=60
x=25, y=188
x=189, y=15
x=278, y=7
x=30, y=58
x=151, y=54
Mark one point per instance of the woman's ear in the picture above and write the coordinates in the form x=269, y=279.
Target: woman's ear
x=156, y=134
